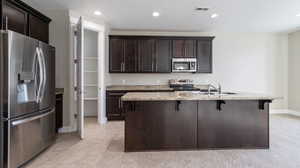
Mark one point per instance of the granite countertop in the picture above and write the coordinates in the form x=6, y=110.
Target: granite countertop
x=59, y=91
x=145, y=87
x=188, y=95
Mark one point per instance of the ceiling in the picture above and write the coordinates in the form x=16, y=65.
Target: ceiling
x=179, y=15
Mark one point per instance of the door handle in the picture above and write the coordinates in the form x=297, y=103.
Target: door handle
x=19, y=122
x=44, y=74
x=40, y=75
x=6, y=23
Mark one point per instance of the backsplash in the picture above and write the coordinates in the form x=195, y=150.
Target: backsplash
x=157, y=79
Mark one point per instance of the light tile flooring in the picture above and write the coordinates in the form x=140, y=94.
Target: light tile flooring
x=103, y=148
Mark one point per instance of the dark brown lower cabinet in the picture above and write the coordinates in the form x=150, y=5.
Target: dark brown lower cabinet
x=174, y=125
x=239, y=124
x=161, y=125
x=114, y=106
x=59, y=111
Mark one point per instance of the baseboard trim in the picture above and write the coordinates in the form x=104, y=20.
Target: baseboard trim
x=103, y=121
x=285, y=111
x=66, y=129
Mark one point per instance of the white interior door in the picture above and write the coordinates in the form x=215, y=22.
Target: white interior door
x=79, y=77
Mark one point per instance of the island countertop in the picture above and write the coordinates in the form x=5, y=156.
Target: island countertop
x=189, y=95
x=147, y=87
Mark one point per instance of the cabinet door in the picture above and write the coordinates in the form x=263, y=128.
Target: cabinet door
x=161, y=125
x=163, y=56
x=116, y=53
x=240, y=124
x=146, y=55
x=190, y=48
x=178, y=48
x=184, y=48
x=15, y=17
x=38, y=29
x=204, y=56
x=130, y=55
x=114, y=106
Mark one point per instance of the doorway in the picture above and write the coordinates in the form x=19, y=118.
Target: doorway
x=90, y=77
x=88, y=74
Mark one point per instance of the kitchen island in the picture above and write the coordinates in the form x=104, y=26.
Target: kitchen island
x=194, y=120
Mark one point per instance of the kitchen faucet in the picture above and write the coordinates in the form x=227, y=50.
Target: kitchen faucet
x=219, y=89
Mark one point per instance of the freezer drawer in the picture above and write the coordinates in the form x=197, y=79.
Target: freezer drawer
x=28, y=137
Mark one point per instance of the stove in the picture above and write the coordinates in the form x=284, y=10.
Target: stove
x=182, y=85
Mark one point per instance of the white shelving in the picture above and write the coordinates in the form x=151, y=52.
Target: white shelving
x=90, y=98
x=90, y=58
x=90, y=73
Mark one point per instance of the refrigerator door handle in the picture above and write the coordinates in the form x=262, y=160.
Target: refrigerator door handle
x=44, y=74
x=40, y=64
x=19, y=122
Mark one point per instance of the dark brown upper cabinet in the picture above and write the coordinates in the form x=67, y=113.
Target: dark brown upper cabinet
x=184, y=48
x=116, y=52
x=163, y=56
x=146, y=56
x=17, y=16
x=130, y=63
x=123, y=55
x=38, y=29
x=204, y=56
x=153, y=54
x=14, y=18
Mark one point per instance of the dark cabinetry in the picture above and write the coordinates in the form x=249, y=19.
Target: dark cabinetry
x=116, y=52
x=204, y=56
x=19, y=17
x=151, y=54
x=237, y=124
x=163, y=56
x=114, y=105
x=38, y=29
x=184, y=48
x=59, y=111
x=161, y=125
x=14, y=18
x=139, y=55
x=147, y=56
x=123, y=55
x=130, y=55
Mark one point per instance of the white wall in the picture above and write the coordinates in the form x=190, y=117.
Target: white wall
x=249, y=62
x=294, y=70
x=59, y=38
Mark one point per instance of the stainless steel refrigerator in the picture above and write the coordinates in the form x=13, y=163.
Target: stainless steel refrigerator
x=27, y=72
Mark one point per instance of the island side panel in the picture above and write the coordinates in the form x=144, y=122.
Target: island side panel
x=239, y=124
x=160, y=125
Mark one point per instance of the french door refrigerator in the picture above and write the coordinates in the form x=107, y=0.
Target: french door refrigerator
x=27, y=98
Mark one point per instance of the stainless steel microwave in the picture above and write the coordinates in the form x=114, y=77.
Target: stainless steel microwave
x=184, y=65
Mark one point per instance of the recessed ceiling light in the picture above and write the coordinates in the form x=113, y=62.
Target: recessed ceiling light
x=98, y=13
x=155, y=14
x=215, y=15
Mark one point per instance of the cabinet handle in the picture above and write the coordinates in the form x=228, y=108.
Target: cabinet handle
x=119, y=103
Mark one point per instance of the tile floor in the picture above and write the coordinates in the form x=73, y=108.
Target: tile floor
x=103, y=148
